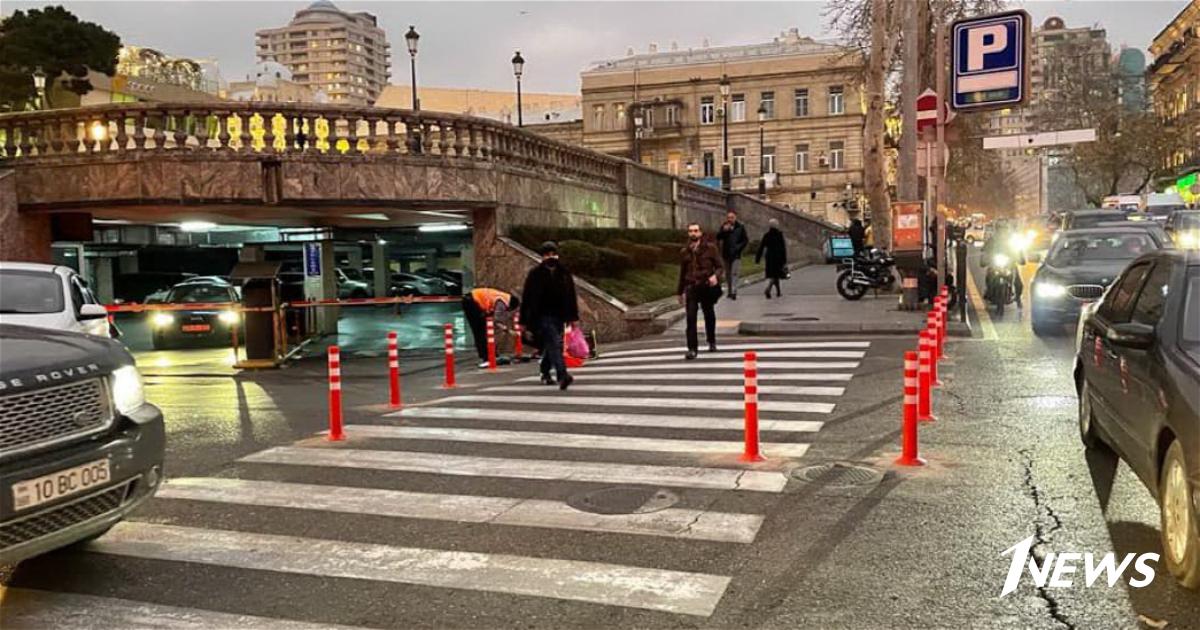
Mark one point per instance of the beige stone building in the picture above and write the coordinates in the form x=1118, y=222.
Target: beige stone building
x=345, y=55
x=494, y=104
x=1175, y=88
x=273, y=83
x=811, y=134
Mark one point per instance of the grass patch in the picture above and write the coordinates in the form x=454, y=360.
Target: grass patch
x=638, y=286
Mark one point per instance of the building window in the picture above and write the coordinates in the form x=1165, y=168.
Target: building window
x=672, y=114
x=598, y=117
x=837, y=155
x=707, y=112
x=801, y=158
x=737, y=108
x=739, y=161
x=837, y=100
x=801, y=102
x=768, y=159
x=648, y=118
x=619, y=109
x=709, y=164
x=768, y=105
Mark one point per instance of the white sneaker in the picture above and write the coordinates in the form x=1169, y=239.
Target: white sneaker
x=483, y=365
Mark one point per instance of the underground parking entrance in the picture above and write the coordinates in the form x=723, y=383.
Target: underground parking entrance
x=181, y=297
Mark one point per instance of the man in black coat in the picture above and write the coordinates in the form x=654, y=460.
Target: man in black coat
x=732, y=241
x=858, y=236
x=774, y=247
x=548, y=302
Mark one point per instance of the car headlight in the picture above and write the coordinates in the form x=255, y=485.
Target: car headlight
x=162, y=320
x=127, y=390
x=1000, y=260
x=228, y=317
x=1049, y=290
x=1189, y=239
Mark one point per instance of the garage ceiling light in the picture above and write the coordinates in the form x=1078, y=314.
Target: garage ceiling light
x=442, y=227
x=197, y=226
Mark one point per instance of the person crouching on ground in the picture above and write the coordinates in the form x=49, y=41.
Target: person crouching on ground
x=733, y=241
x=774, y=248
x=482, y=303
x=551, y=302
x=700, y=272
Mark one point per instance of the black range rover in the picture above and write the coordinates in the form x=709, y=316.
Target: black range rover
x=79, y=445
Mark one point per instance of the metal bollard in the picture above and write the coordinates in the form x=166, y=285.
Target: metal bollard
x=335, y=395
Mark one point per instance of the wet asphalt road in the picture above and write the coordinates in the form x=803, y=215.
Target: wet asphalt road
x=908, y=548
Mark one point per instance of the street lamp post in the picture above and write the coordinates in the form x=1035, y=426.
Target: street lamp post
x=638, y=119
x=518, y=63
x=39, y=83
x=411, y=38
x=726, y=176
x=762, y=158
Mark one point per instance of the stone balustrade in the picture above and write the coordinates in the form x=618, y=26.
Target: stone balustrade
x=291, y=129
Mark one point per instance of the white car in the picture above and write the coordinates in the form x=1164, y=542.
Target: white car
x=49, y=296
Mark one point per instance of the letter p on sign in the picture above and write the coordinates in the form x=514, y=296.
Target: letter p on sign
x=984, y=40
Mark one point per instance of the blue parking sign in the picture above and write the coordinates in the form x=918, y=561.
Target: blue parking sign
x=989, y=66
x=312, y=260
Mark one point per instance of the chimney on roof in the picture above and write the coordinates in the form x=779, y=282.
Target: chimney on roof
x=653, y=48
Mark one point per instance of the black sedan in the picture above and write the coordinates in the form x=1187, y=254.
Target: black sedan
x=1079, y=267
x=213, y=318
x=1137, y=372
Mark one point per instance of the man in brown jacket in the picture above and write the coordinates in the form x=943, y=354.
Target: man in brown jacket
x=700, y=273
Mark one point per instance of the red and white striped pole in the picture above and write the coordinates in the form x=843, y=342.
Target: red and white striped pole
x=449, y=334
x=335, y=395
x=909, y=455
x=491, y=344
x=393, y=370
x=518, y=345
x=931, y=333
x=924, y=382
x=943, y=321
x=750, y=375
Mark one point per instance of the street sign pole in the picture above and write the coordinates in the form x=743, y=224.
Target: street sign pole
x=940, y=198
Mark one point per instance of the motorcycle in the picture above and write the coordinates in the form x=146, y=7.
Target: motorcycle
x=1001, y=289
x=871, y=270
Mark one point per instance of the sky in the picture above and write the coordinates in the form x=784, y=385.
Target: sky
x=470, y=44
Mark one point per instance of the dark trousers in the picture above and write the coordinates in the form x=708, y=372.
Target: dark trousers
x=550, y=333
x=696, y=302
x=773, y=282
x=477, y=320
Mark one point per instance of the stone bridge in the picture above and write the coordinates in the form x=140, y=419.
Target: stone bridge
x=287, y=164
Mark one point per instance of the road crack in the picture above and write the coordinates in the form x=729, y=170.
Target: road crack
x=1042, y=534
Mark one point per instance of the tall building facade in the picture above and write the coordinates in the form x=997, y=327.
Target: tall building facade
x=344, y=55
x=667, y=109
x=1174, y=79
x=494, y=104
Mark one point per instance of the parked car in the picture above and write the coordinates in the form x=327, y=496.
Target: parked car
x=50, y=296
x=1153, y=228
x=79, y=445
x=1078, y=268
x=212, y=320
x=1137, y=372
x=1183, y=226
x=350, y=288
x=416, y=284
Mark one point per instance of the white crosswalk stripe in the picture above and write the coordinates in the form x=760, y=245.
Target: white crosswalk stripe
x=634, y=587
x=713, y=356
x=473, y=466
x=763, y=349
x=681, y=366
x=27, y=609
x=611, y=419
x=565, y=440
x=786, y=390
x=644, y=403
x=670, y=522
x=729, y=376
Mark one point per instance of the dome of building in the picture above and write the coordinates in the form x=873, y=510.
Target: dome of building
x=268, y=73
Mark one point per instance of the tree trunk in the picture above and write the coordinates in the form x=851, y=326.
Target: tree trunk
x=874, y=161
x=907, y=187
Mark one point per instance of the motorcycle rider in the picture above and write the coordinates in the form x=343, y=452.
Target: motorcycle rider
x=1001, y=243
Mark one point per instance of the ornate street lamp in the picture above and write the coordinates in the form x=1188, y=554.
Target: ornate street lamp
x=762, y=158
x=39, y=83
x=638, y=120
x=518, y=63
x=411, y=38
x=726, y=175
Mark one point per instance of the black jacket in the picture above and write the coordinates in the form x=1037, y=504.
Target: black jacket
x=549, y=291
x=775, y=249
x=858, y=235
x=733, y=241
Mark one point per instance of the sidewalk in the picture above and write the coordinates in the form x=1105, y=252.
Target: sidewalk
x=810, y=305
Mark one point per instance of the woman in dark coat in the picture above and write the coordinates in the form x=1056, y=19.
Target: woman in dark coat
x=775, y=250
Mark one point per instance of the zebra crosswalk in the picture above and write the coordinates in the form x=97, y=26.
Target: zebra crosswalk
x=521, y=464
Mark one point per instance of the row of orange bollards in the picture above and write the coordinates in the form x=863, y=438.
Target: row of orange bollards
x=920, y=377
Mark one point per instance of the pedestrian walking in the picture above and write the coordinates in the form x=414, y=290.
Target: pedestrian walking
x=699, y=287
x=481, y=303
x=733, y=240
x=858, y=236
x=550, y=303
x=774, y=248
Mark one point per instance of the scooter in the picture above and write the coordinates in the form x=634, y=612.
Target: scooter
x=871, y=270
x=1000, y=285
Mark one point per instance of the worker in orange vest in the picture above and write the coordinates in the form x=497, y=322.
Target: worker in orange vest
x=481, y=303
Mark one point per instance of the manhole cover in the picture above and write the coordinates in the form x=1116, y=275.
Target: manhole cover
x=623, y=501
x=802, y=319
x=838, y=475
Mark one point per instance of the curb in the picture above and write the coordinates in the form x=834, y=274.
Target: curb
x=800, y=329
